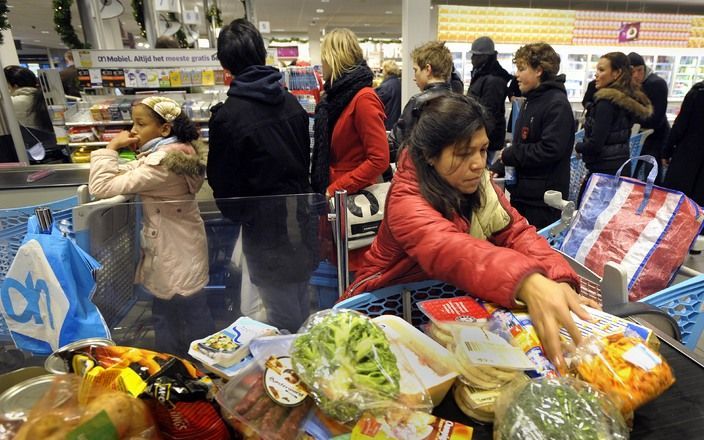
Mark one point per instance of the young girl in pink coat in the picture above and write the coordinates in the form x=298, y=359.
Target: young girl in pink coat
x=167, y=174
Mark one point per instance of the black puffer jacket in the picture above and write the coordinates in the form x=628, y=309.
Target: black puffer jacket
x=411, y=112
x=607, y=128
x=490, y=86
x=542, y=144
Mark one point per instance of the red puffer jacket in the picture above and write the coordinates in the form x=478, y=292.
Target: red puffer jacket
x=415, y=242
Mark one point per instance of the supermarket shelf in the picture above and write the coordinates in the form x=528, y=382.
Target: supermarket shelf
x=123, y=122
x=96, y=123
x=87, y=144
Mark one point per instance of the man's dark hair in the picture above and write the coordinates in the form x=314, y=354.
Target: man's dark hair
x=240, y=45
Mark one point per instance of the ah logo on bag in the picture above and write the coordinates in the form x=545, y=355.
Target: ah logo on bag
x=25, y=297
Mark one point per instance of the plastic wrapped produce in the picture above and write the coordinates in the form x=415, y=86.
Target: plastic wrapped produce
x=625, y=368
x=348, y=365
x=556, y=409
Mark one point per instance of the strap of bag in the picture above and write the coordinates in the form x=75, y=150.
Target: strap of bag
x=649, y=181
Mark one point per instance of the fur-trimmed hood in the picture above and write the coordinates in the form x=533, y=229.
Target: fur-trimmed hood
x=186, y=159
x=638, y=104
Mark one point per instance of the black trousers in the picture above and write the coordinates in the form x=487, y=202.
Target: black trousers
x=538, y=216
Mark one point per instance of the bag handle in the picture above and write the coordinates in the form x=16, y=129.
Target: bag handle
x=649, y=181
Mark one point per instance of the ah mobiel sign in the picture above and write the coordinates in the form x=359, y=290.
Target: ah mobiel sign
x=88, y=59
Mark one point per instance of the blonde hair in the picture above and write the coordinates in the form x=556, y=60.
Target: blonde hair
x=391, y=68
x=341, y=51
x=437, y=55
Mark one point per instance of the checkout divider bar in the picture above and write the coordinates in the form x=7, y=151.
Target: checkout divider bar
x=340, y=221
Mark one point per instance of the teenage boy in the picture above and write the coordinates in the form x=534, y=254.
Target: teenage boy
x=432, y=67
x=260, y=146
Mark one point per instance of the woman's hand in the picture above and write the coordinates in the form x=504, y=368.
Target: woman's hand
x=122, y=140
x=549, y=305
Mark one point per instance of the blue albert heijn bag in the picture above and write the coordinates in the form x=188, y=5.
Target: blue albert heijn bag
x=46, y=295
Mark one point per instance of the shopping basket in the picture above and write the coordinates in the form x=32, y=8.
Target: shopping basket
x=682, y=301
x=13, y=227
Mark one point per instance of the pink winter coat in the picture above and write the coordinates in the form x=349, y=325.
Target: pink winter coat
x=174, y=245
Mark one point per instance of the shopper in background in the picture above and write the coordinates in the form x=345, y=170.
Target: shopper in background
x=350, y=151
x=27, y=100
x=655, y=88
x=588, y=98
x=168, y=174
x=543, y=136
x=456, y=83
x=445, y=220
x=260, y=146
x=490, y=86
x=390, y=93
x=607, y=127
x=684, y=151
x=166, y=42
x=69, y=76
x=432, y=68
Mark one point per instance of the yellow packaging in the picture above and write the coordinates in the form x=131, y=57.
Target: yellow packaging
x=408, y=425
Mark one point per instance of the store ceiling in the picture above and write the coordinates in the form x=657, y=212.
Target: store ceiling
x=32, y=20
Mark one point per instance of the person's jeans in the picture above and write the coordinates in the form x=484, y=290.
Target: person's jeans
x=179, y=321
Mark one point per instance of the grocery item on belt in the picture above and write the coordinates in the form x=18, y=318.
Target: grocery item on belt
x=404, y=425
x=605, y=324
x=230, y=345
x=347, y=363
x=624, y=368
x=447, y=312
x=556, y=409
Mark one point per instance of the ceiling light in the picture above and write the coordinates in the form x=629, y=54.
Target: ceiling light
x=325, y=1
x=37, y=41
x=319, y=11
x=279, y=30
x=388, y=12
x=366, y=25
x=45, y=32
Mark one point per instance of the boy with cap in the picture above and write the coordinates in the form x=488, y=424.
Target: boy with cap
x=489, y=85
x=656, y=89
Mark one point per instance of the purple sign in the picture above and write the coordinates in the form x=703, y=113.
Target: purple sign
x=287, y=52
x=629, y=32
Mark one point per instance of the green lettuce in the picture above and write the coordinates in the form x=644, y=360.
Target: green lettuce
x=347, y=362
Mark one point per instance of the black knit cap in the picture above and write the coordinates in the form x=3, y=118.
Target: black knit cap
x=635, y=59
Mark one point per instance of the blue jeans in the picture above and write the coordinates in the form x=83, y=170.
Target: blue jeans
x=179, y=321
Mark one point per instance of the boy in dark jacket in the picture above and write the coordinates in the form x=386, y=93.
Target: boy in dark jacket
x=490, y=86
x=432, y=67
x=260, y=146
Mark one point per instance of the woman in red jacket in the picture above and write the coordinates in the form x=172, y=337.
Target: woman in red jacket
x=445, y=220
x=350, y=151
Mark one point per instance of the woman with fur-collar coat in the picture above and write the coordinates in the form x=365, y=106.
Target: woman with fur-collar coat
x=607, y=128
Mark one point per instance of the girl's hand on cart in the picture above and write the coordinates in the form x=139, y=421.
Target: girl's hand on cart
x=549, y=305
x=122, y=140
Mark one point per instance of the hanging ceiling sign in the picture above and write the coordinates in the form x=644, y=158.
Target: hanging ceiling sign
x=167, y=6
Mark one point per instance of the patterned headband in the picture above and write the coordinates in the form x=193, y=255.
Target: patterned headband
x=167, y=108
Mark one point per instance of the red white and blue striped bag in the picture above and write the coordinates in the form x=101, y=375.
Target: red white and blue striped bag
x=645, y=228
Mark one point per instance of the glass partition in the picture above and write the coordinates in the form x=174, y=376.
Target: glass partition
x=262, y=257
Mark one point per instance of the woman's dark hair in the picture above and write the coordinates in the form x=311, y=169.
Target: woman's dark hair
x=619, y=61
x=18, y=76
x=444, y=121
x=240, y=45
x=182, y=127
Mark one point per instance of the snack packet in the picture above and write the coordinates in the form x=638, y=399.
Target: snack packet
x=623, y=367
x=404, y=425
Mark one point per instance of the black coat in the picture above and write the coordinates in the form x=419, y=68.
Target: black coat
x=389, y=92
x=411, y=112
x=607, y=128
x=655, y=88
x=542, y=144
x=490, y=86
x=686, y=147
x=260, y=146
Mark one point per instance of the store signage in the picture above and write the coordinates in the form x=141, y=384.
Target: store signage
x=167, y=6
x=191, y=17
x=87, y=59
x=629, y=32
x=264, y=27
x=287, y=52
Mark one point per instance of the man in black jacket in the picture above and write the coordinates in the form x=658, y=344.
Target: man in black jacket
x=655, y=88
x=260, y=146
x=489, y=85
x=389, y=92
x=432, y=67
